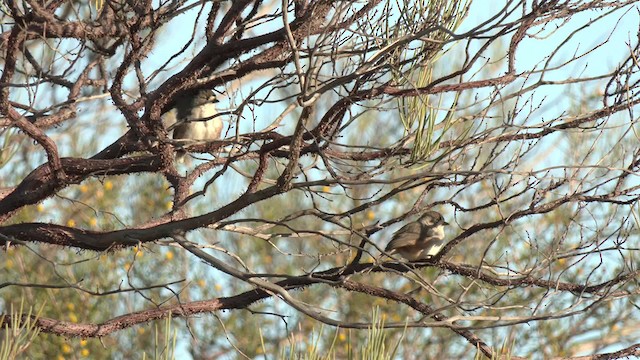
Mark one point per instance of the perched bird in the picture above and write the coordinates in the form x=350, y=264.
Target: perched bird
x=420, y=239
x=193, y=119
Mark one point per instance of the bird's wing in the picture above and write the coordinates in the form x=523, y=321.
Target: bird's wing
x=169, y=118
x=408, y=235
x=180, y=131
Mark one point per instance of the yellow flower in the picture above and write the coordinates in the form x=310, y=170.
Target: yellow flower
x=326, y=189
x=71, y=223
x=8, y=264
x=218, y=287
x=40, y=207
x=202, y=283
x=141, y=330
x=84, y=352
x=60, y=357
x=108, y=185
x=73, y=318
x=84, y=188
x=93, y=221
x=169, y=205
x=139, y=253
x=371, y=215
x=169, y=255
x=66, y=348
x=83, y=342
x=71, y=306
x=342, y=336
x=127, y=267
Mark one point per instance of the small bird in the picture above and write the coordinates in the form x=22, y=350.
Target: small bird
x=420, y=239
x=193, y=119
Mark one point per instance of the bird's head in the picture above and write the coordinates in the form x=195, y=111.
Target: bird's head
x=432, y=218
x=206, y=96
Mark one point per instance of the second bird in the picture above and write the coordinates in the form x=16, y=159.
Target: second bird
x=193, y=119
x=420, y=239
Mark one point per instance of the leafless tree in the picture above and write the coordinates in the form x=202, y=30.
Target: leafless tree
x=343, y=119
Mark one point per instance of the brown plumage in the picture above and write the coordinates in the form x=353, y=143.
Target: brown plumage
x=420, y=239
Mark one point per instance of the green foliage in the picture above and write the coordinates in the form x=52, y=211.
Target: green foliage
x=165, y=342
x=22, y=331
x=374, y=346
x=419, y=115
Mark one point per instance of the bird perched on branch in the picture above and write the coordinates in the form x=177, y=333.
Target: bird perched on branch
x=194, y=118
x=420, y=239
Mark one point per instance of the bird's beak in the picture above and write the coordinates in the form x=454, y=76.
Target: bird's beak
x=445, y=223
